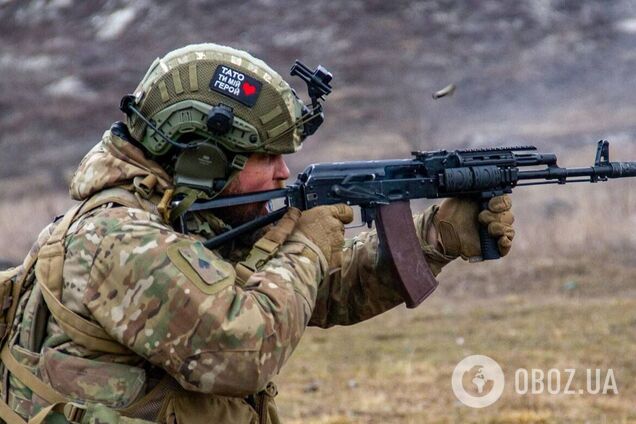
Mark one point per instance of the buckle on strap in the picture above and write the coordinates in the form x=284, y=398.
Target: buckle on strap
x=262, y=251
x=145, y=186
x=271, y=390
x=262, y=400
x=267, y=246
x=74, y=412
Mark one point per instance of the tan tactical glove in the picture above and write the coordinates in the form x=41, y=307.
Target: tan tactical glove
x=457, y=220
x=324, y=225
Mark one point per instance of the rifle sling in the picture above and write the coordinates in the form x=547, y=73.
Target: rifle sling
x=267, y=246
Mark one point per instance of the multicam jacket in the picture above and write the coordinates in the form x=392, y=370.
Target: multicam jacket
x=177, y=309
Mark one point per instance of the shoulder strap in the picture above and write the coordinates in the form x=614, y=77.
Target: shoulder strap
x=267, y=246
x=49, y=266
x=48, y=269
x=16, y=292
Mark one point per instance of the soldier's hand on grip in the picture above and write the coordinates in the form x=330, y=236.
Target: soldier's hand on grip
x=457, y=223
x=324, y=225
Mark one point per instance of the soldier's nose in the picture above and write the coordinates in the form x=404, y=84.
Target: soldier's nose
x=281, y=171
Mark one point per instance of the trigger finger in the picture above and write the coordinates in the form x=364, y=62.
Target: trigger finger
x=343, y=212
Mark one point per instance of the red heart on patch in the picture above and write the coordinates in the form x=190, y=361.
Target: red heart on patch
x=248, y=88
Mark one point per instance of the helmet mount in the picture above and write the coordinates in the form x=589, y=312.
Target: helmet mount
x=220, y=119
x=126, y=105
x=318, y=87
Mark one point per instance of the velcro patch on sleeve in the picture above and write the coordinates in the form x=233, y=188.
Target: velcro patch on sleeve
x=208, y=274
x=236, y=84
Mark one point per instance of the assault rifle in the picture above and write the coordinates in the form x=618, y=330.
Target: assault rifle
x=383, y=189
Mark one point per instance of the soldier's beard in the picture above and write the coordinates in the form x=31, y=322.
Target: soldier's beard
x=240, y=214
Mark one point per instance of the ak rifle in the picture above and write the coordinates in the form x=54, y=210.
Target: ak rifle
x=383, y=188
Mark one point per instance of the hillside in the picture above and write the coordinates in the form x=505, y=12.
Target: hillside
x=558, y=74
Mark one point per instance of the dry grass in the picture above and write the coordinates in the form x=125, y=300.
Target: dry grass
x=397, y=368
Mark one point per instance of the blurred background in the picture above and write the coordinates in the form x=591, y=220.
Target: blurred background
x=556, y=74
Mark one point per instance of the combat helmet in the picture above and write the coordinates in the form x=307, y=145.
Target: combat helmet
x=202, y=109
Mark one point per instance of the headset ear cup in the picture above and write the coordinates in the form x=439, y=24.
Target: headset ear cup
x=200, y=167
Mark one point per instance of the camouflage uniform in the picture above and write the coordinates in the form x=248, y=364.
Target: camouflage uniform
x=176, y=307
x=134, y=320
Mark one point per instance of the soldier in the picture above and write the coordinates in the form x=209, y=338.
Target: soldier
x=125, y=319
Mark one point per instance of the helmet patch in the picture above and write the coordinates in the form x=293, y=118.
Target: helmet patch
x=235, y=84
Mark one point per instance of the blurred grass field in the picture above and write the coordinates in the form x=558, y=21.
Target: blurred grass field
x=397, y=368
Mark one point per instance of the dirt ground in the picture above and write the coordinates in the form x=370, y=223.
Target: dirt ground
x=575, y=313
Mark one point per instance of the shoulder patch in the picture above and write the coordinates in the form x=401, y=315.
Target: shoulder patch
x=210, y=275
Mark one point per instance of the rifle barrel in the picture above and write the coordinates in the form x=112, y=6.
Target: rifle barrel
x=608, y=170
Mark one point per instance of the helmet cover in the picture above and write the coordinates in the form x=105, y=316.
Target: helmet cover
x=179, y=91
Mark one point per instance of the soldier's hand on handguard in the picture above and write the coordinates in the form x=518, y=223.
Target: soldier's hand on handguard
x=457, y=220
x=324, y=225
